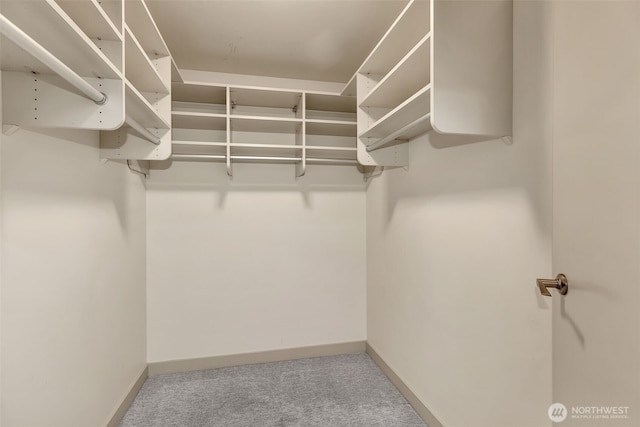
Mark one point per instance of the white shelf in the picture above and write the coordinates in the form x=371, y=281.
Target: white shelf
x=264, y=113
x=407, y=112
x=411, y=25
x=90, y=38
x=330, y=116
x=139, y=108
x=49, y=25
x=330, y=148
x=393, y=89
x=94, y=19
x=264, y=124
x=399, y=84
x=333, y=104
x=147, y=66
x=201, y=94
x=198, y=108
x=271, y=99
x=58, y=104
x=138, y=17
x=139, y=69
x=198, y=121
x=331, y=127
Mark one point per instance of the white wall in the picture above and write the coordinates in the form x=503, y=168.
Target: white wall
x=455, y=244
x=1, y=244
x=261, y=262
x=73, y=280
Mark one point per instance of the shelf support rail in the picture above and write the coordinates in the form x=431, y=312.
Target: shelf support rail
x=383, y=142
x=22, y=39
x=142, y=130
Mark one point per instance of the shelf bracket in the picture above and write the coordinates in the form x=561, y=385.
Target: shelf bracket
x=508, y=140
x=9, y=130
x=145, y=174
x=371, y=172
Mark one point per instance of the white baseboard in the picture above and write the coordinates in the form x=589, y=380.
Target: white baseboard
x=413, y=400
x=128, y=399
x=186, y=365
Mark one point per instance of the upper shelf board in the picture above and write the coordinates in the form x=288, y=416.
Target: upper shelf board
x=399, y=84
x=54, y=30
x=411, y=25
x=410, y=110
x=265, y=98
x=138, y=17
x=93, y=18
x=331, y=103
x=199, y=93
x=140, y=71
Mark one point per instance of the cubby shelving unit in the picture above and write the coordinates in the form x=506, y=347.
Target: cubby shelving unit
x=89, y=64
x=440, y=66
x=147, y=76
x=254, y=124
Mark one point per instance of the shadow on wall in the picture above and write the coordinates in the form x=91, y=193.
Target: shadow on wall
x=62, y=166
x=253, y=177
x=452, y=166
x=440, y=141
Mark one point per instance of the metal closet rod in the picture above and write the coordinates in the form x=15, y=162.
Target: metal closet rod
x=393, y=136
x=22, y=39
x=223, y=157
x=142, y=130
x=260, y=158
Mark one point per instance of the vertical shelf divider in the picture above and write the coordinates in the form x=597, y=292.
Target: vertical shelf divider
x=301, y=136
x=228, y=159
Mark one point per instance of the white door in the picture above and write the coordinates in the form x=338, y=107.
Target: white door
x=596, y=196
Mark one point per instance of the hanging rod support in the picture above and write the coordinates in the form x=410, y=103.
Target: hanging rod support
x=146, y=175
x=22, y=39
x=382, y=142
x=142, y=130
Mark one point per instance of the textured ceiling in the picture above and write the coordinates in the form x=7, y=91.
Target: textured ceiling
x=322, y=40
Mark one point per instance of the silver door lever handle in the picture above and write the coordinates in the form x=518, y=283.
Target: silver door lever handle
x=560, y=283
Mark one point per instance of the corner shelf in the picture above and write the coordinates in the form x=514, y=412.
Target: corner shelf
x=95, y=53
x=49, y=26
x=390, y=87
x=40, y=19
x=433, y=70
x=146, y=134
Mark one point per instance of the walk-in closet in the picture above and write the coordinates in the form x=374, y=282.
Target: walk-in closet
x=319, y=212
